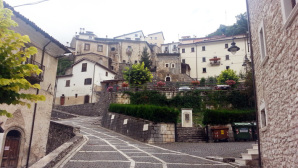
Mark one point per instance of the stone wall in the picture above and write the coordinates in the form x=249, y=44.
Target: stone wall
x=59, y=134
x=89, y=109
x=191, y=134
x=139, y=129
x=276, y=77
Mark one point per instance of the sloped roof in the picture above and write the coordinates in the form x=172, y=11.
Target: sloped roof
x=157, y=33
x=130, y=33
x=33, y=25
x=96, y=63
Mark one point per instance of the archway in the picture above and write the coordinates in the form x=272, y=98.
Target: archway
x=168, y=79
x=11, y=149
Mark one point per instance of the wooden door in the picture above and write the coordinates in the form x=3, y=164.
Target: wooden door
x=11, y=150
x=86, y=99
x=62, y=100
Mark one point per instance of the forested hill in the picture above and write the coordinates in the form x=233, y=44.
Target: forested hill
x=240, y=27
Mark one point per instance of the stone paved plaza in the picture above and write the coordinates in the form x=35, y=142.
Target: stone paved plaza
x=107, y=149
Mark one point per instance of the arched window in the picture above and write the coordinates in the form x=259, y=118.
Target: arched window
x=168, y=79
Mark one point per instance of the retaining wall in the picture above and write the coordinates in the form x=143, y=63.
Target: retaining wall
x=139, y=129
x=88, y=109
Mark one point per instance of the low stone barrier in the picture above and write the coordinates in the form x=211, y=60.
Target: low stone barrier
x=62, y=139
x=88, y=109
x=139, y=129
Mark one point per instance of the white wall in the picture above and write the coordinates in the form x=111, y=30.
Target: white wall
x=133, y=36
x=217, y=48
x=170, y=47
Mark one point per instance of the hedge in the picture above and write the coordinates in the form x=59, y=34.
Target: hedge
x=148, y=112
x=222, y=117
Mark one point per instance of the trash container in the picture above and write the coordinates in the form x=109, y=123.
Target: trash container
x=243, y=131
x=220, y=133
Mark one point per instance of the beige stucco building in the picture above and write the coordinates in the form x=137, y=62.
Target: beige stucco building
x=155, y=39
x=209, y=56
x=18, y=129
x=274, y=35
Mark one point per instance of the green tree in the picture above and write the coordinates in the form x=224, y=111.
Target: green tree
x=137, y=75
x=227, y=74
x=12, y=69
x=240, y=27
x=63, y=64
x=146, y=58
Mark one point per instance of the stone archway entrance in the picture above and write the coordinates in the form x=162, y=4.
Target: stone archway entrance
x=11, y=149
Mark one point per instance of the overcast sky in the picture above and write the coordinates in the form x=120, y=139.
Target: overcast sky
x=63, y=18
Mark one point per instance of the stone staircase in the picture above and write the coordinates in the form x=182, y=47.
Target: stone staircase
x=249, y=159
x=191, y=134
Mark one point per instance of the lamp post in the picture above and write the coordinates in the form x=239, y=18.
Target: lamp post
x=233, y=49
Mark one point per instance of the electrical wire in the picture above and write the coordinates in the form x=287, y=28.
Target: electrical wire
x=33, y=3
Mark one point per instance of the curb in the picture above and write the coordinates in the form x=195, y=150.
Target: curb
x=58, y=154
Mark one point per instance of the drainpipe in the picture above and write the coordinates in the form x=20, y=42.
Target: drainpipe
x=34, y=112
x=254, y=84
x=196, y=61
x=93, y=83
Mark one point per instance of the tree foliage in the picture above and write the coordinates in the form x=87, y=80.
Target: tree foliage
x=137, y=75
x=240, y=27
x=146, y=58
x=12, y=69
x=63, y=64
x=227, y=74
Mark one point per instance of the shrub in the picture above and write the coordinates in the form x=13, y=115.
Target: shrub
x=148, y=112
x=222, y=117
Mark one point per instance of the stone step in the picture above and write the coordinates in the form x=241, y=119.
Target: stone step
x=255, y=146
x=238, y=165
x=246, y=156
x=253, y=151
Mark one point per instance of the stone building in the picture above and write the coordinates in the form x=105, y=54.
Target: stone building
x=170, y=68
x=209, y=56
x=274, y=35
x=15, y=136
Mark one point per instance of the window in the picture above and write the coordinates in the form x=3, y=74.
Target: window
x=151, y=38
x=227, y=67
x=88, y=81
x=90, y=37
x=263, y=117
x=166, y=49
x=203, y=48
x=99, y=48
x=167, y=65
x=183, y=50
x=136, y=61
x=173, y=65
x=87, y=47
x=204, y=70
x=192, y=49
x=138, y=39
x=84, y=67
x=136, y=35
x=127, y=38
x=67, y=84
x=76, y=95
x=155, y=38
x=123, y=61
x=175, y=46
x=183, y=61
x=107, y=74
x=112, y=67
x=226, y=45
x=204, y=59
x=113, y=49
x=168, y=79
x=227, y=57
x=262, y=41
x=289, y=10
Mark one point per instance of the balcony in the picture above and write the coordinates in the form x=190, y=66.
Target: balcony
x=34, y=78
x=214, y=61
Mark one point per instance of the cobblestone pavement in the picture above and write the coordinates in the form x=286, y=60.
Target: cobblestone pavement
x=107, y=149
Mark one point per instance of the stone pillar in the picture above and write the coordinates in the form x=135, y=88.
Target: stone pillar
x=186, y=117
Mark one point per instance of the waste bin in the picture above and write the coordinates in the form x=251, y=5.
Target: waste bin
x=220, y=133
x=243, y=131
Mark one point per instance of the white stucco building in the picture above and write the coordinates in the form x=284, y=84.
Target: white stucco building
x=209, y=56
x=138, y=36
x=170, y=47
x=80, y=86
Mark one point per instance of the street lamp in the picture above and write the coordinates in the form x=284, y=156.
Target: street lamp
x=233, y=49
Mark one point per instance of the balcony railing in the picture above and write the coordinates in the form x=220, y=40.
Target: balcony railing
x=214, y=61
x=34, y=78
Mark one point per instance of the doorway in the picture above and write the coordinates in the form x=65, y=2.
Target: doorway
x=62, y=100
x=11, y=149
x=86, y=99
